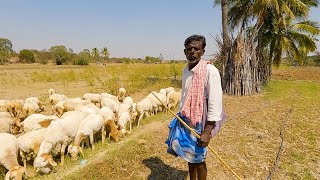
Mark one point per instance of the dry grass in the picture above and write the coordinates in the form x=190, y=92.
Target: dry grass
x=248, y=142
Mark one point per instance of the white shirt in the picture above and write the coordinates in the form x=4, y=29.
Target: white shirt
x=212, y=91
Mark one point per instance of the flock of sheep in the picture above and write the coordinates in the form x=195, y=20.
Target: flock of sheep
x=29, y=136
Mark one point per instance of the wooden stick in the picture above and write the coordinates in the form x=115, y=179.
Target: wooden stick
x=198, y=136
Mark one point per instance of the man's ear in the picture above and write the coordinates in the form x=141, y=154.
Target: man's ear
x=185, y=51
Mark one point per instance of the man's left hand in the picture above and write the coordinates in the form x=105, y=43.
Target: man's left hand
x=204, y=140
x=206, y=134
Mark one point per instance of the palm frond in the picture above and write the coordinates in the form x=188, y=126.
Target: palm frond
x=310, y=27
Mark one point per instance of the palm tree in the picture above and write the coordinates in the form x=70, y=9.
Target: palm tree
x=267, y=30
x=95, y=52
x=105, y=52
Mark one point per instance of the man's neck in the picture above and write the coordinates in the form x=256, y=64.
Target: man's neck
x=192, y=65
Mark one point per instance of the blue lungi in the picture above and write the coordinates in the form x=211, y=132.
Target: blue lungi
x=181, y=142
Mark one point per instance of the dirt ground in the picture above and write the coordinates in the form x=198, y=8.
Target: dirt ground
x=248, y=142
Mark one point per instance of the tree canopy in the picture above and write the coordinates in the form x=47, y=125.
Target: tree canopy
x=27, y=56
x=5, y=45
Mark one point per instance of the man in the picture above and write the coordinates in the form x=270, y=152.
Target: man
x=200, y=108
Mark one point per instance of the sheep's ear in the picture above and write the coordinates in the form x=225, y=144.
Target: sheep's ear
x=8, y=175
x=51, y=162
x=45, y=123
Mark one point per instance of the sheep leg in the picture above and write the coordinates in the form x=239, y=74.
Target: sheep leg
x=63, y=149
x=87, y=142
x=24, y=161
x=140, y=117
x=91, y=140
x=103, y=134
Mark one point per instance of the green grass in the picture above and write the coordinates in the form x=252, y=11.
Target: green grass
x=302, y=131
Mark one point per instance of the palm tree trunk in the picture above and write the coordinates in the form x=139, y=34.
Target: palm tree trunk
x=225, y=32
x=226, y=43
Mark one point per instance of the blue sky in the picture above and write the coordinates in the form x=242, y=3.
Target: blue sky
x=129, y=28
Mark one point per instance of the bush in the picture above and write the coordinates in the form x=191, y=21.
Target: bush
x=60, y=54
x=83, y=58
x=4, y=57
x=27, y=56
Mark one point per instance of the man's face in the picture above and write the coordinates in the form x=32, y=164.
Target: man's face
x=194, y=51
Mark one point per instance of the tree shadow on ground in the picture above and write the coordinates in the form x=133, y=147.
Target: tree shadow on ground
x=160, y=170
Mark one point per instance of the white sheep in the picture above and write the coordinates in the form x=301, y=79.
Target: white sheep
x=8, y=156
x=112, y=104
x=90, y=108
x=32, y=122
x=60, y=131
x=169, y=89
x=157, y=105
x=14, y=107
x=51, y=91
x=29, y=144
x=121, y=94
x=32, y=105
x=90, y=125
x=173, y=99
x=110, y=96
x=128, y=100
x=144, y=107
x=124, y=118
x=94, y=98
x=4, y=114
x=9, y=125
x=55, y=98
x=69, y=105
x=111, y=127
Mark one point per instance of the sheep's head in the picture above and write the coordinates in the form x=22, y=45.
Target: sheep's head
x=114, y=132
x=43, y=163
x=16, y=127
x=15, y=173
x=59, y=111
x=74, y=150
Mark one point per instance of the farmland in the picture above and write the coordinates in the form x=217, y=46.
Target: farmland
x=248, y=142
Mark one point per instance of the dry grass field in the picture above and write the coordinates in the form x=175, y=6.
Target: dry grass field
x=249, y=141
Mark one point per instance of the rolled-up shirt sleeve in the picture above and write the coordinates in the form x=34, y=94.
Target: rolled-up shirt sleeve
x=214, y=95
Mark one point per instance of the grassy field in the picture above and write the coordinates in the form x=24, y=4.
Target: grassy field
x=249, y=141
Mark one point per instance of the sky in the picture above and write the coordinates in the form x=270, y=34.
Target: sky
x=129, y=28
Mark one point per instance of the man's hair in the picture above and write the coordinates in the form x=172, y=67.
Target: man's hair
x=195, y=37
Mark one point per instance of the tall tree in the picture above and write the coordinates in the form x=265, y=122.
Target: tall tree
x=266, y=30
x=60, y=54
x=105, y=52
x=5, y=45
x=226, y=44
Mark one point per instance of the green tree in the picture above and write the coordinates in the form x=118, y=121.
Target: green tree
x=95, y=54
x=27, y=56
x=4, y=57
x=266, y=31
x=83, y=58
x=60, y=54
x=279, y=26
x=105, y=53
x=5, y=45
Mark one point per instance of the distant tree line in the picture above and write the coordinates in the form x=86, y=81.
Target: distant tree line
x=62, y=55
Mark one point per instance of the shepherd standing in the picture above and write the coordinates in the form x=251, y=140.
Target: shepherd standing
x=200, y=108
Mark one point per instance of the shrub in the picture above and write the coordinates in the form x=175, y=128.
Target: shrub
x=60, y=54
x=4, y=57
x=27, y=56
x=83, y=58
